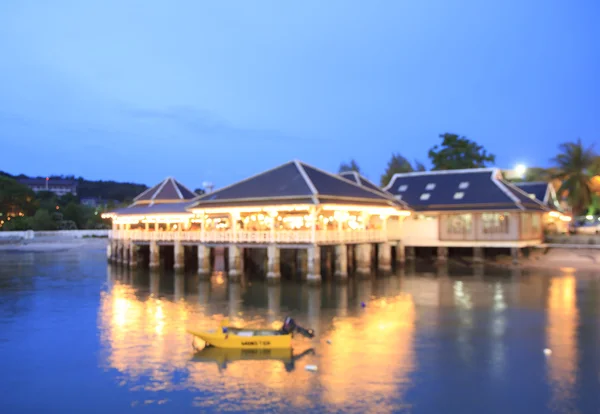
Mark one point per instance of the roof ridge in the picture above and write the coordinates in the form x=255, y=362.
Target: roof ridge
x=308, y=181
x=338, y=177
x=176, y=188
x=212, y=193
x=505, y=190
x=535, y=200
x=186, y=188
x=162, y=185
x=438, y=172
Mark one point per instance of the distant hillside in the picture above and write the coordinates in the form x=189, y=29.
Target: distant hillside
x=106, y=190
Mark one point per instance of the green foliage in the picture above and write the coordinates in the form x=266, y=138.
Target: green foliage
x=109, y=190
x=17, y=224
x=398, y=165
x=350, y=166
x=15, y=197
x=199, y=191
x=42, y=220
x=457, y=153
x=575, y=167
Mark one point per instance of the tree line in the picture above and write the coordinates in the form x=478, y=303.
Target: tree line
x=575, y=170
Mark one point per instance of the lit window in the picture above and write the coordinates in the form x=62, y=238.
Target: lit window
x=430, y=186
x=459, y=195
x=464, y=185
x=532, y=196
x=425, y=196
x=402, y=188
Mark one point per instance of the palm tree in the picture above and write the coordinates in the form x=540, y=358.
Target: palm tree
x=575, y=167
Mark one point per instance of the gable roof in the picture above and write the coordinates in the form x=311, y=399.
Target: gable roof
x=455, y=190
x=365, y=182
x=542, y=191
x=294, y=183
x=179, y=209
x=167, y=190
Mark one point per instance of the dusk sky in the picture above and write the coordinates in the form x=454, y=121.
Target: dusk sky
x=199, y=90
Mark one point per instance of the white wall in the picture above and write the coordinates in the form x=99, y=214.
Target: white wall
x=65, y=234
x=421, y=232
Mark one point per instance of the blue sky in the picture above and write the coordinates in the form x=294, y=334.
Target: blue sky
x=139, y=90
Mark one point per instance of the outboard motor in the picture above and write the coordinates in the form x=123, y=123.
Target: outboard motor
x=289, y=326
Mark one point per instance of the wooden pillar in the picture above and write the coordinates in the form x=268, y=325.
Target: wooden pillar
x=154, y=255
x=314, y=264
x=236, y=263
x=363, y=259
x=341, y=262
x=204, y=261
x=273, y=266
x=384, y=257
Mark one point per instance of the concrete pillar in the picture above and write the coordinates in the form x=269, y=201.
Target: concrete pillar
x=400, y=253
x=179, y=255
x=442, y=254
x=363, y=259
x=273, y=268
x=384, y=257
x=516, y=254
x=410, y=253
x=125, y=252
x=154, y=255
x=133, y=255
x=302, y=263
x=236, y=263
x=314, y=264
x=477, y=255
x=341, y=262
x=109, y=251
x=204, y=262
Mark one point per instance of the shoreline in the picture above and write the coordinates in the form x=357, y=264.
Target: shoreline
x=53, y=245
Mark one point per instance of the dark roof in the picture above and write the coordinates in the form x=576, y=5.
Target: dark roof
x=365, y=182
x=293, y=182
x=455, y=190
x=51, y=181
x=167, y=190
x=160, y=208
x=542, y=191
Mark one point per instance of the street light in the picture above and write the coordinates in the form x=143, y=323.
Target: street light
x=520, y=170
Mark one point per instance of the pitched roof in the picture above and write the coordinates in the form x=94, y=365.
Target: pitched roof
x=472, y=189
x=291, y=183
x=542, y=191
x=365, y=182
x=167, y=190
x=159, y=208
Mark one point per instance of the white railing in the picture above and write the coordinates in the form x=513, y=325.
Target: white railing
x=259, y=237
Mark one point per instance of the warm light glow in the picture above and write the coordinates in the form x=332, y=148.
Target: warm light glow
x=554, y=214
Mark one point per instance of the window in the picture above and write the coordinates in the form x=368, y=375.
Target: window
x=459, y=195
x=464, y=185
x=402, y=188
x=458, y=223
x=430, y=186
x=425, y=196
x=495, y=223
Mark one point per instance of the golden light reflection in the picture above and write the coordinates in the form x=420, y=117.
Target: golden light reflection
x=372, y=354
x=561, y=332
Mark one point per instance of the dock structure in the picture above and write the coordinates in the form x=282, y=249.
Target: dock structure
x=472, y=208
x=323, y=219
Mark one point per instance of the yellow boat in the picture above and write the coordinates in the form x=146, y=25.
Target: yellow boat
x=223, y=356
x=242, y=338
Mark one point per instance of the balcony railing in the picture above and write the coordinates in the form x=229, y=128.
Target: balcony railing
x=258, y=237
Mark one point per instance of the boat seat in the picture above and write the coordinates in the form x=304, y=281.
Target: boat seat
x=245, y=333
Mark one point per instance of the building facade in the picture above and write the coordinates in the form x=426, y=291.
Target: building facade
x=57, y=186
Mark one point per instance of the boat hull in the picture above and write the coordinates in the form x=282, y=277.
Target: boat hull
x=233, y=341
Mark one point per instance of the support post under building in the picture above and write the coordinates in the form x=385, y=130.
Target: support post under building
x=341, y=262
x=363, y=259
x=273, y=264
x=154, y=255
x=384, y=257
x=204, y=262
x=314, y=265
x=236, y=263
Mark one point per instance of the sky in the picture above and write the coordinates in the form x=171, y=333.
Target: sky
x=139, y=90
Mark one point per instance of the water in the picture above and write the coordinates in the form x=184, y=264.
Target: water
x=76, y=336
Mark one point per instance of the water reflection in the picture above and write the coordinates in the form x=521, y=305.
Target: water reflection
x=374, y=337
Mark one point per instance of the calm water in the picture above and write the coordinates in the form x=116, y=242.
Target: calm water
x=78, y=337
